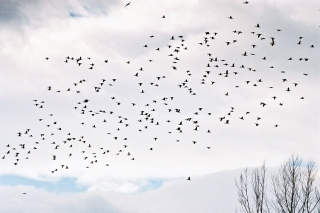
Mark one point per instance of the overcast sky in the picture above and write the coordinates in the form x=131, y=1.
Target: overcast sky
x=112, y=107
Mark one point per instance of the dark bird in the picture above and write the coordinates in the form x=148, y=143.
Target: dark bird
x=263, y=104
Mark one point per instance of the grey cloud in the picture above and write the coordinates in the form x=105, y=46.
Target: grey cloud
x=41, y=201
x=10, y=10
x=17, y=13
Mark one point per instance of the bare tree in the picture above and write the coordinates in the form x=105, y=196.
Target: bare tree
x=254, y=202
x=310, y=188
x=294, y=189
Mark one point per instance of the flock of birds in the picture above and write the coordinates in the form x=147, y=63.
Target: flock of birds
x=214, y=69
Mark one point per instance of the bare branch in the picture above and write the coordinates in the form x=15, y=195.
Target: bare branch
x=295, y=189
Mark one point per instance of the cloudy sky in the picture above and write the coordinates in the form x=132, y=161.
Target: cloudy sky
x=110, y=108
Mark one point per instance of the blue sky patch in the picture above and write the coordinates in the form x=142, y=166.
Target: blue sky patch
x=74, y=15
x=63, y=185
x=152, y=185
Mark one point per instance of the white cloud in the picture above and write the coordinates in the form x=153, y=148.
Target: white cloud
x=117, y=33
x=202, y=193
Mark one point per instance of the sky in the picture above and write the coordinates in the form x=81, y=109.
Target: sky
x=111, y=108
